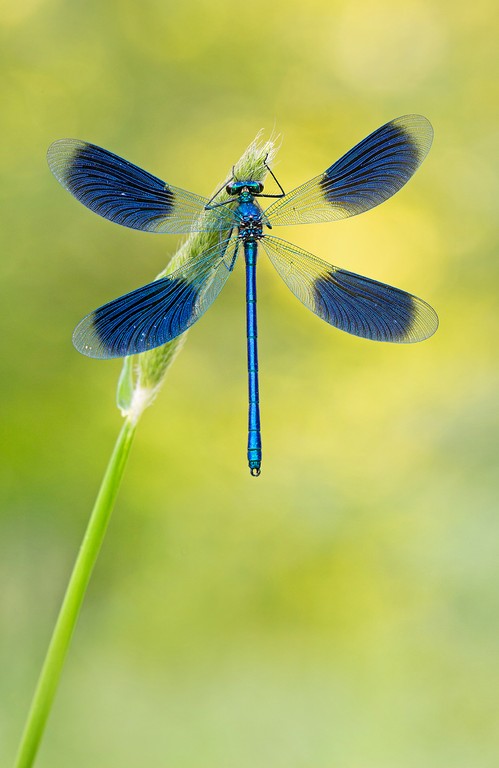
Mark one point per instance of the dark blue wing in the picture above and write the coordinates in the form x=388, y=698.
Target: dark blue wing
x=124, y=193
x=368, y=174
x=351, y=302
x=158, y=312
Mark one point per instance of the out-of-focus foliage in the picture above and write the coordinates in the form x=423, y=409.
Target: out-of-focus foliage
x=343, y=608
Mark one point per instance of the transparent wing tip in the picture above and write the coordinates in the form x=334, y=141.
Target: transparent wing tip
x=422, y=322
x=61, y=156
x=418, y=130
x=87, y=341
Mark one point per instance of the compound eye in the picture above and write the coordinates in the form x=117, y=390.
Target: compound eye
x=230, y=189
x=255, y=187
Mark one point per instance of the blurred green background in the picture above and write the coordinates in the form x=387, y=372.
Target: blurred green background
x=341, y=610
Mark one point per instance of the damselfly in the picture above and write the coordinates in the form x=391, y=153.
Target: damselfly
x=364, y=177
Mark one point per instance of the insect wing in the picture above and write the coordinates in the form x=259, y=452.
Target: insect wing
x=126, y=194
x=370, y=173
x=159, y=311
x=351, y=302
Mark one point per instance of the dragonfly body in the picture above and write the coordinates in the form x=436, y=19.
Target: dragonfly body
x=254, y=437
x=250, y=219
x=371, y=172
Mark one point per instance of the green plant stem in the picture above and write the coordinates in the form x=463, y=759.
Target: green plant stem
x=140, y=381
x=68, y=615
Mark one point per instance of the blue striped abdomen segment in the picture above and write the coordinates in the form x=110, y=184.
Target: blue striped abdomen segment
x=254, y=436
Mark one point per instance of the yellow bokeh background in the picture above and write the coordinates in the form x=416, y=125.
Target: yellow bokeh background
x=342, y=609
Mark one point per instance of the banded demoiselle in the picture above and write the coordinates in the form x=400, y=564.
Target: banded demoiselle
x=370, y=173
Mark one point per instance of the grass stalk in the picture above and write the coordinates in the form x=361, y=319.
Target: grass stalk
x=75, y=592
x=139, y=383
